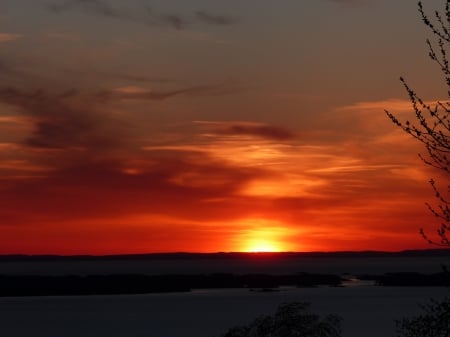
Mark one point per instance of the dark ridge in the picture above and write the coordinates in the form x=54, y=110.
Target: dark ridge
x=222, y=255
x=114, y=284
x=34, y=285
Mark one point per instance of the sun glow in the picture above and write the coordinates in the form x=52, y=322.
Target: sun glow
x=260, y=246
x=263, y=235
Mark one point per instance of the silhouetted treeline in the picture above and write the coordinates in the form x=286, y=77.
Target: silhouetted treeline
x=86, y=285
x=25, y=285
x=34, y=285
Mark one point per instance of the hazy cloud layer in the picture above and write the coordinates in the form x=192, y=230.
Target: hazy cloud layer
x=82, y=141
x=221, y=179
x=97, y=7
x=99, y=156
x=95, y=170
x=146, y=15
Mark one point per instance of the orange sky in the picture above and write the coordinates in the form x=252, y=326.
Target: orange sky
x=210, y=126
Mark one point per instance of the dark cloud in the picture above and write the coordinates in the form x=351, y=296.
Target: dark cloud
x=263, y=131
x=214, y=18
x=147, y=15
x=75, y=119
x=63, y=120
x=174, y=20
x=140, y=78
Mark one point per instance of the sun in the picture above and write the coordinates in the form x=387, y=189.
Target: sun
x=262, y=246
x=259, y=235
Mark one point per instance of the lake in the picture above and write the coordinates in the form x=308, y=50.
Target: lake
x=368, y=311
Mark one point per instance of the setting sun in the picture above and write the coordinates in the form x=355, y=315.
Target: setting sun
x=262, y=235
x=260, y=246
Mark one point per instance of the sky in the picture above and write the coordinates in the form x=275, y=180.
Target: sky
x=203, y=125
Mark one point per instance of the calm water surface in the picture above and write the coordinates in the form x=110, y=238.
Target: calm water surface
x=367, y=311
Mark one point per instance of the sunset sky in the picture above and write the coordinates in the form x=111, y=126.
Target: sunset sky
x=203, y=125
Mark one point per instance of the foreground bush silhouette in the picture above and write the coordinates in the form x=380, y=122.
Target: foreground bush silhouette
x=290, y=320
x=434, y=322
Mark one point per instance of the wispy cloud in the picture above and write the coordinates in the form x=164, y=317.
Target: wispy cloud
x=7, y=37
x=146, y=15
x=137, y=93
x=216, y=19
x=96, y=7
x=249, y=129
x=348, y=2
x=175, y=20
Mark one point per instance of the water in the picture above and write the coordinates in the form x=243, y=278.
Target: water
x=367, y=311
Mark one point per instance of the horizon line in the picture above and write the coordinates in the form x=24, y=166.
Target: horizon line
x=346, y=252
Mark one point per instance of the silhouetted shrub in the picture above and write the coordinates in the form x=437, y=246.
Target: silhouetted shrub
x=290, y=320
x=434, y=322
x=431, y=123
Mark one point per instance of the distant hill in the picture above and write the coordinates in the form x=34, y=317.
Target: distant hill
x=228, y=256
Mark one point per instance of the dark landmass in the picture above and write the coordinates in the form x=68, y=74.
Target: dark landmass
x=33, y=285
x=43, y=275
x=222, y=255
